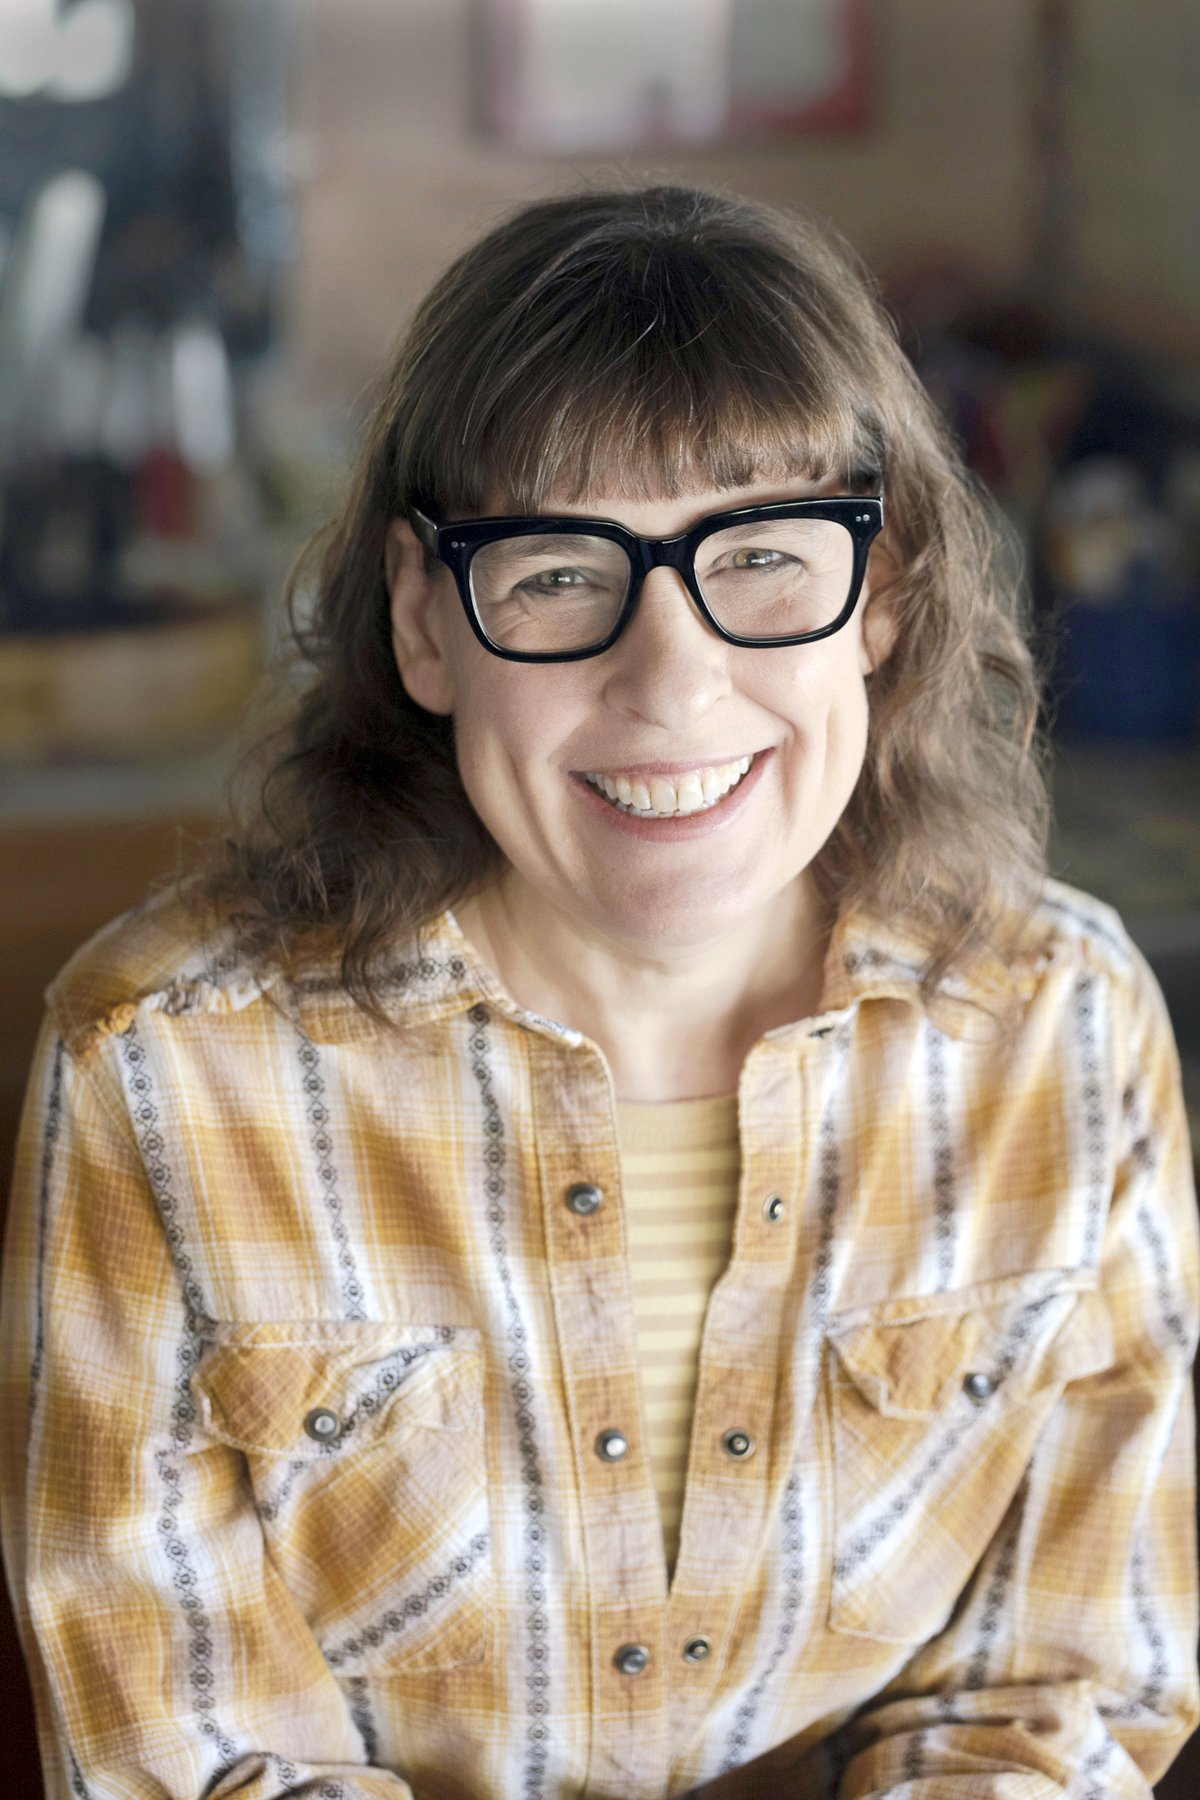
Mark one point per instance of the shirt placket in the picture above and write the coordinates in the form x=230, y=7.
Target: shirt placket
x=618, y=1506
x=735, y=1467
x=657, y=1661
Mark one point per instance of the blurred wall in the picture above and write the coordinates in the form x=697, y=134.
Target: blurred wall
x=1133, y=125
x=396, y=183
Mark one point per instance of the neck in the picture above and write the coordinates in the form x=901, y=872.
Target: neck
x=674, y=1023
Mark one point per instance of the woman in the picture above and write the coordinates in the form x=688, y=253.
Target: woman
x=638, y=1246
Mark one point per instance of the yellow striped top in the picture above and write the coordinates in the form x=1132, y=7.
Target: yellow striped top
x=679, y=1176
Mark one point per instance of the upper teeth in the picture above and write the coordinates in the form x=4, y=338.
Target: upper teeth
x=667, y=794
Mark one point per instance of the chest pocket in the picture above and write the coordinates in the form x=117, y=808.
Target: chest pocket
x=365, y=1451
x=935, y=1405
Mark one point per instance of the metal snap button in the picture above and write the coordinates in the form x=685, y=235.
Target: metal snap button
x=775, y=1208
x=631, y=1659
x=979, y=1385
x=612, y=1445
x=696, y=1649
x=584, y=1198
x=322, y=1424
x=738, y=1443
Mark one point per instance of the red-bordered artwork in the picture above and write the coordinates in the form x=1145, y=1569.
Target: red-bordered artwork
x=596, y=75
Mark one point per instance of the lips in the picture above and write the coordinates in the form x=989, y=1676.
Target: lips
x=713, y=818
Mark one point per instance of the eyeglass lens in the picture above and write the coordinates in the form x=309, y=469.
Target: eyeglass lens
x=548, y=593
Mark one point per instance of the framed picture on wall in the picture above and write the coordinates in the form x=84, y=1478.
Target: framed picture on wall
x=596, y=75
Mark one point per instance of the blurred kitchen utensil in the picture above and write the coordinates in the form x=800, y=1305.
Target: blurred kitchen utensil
x=46, y=279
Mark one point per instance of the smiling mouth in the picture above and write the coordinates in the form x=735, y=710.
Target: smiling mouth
x=671, y=796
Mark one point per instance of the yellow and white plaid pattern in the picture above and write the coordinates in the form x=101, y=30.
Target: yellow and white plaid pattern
x=306, y=1358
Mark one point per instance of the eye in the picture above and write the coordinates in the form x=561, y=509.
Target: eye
x=549, y=581
x=757, y=559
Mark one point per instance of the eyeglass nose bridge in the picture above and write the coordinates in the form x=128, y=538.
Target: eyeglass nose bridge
x=662, y=553
x=665, y=553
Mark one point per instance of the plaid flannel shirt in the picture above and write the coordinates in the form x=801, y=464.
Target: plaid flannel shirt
x=309, y=1346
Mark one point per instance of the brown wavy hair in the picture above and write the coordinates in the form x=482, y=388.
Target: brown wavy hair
x=645, y=341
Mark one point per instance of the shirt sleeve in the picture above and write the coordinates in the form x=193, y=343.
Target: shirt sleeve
x=165, y=1655
x=1086, y=1682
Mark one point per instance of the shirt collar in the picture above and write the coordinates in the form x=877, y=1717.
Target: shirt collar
x=869, y=961
x=439, y=974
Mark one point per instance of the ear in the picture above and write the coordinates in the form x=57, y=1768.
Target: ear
x=877, y=635
x=417, y=623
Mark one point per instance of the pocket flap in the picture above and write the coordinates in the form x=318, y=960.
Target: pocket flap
x=911, y=1357
x=304, y=1389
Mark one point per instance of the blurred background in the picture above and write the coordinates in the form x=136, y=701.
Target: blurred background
x=215, y=216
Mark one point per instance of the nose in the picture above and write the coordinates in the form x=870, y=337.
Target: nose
x=668, y=667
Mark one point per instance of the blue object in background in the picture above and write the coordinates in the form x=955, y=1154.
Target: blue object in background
x=1129, y=668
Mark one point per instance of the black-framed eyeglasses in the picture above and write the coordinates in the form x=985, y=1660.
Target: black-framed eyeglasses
x=560, y=589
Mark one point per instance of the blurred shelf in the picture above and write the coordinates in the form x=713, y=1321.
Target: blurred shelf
x=151, y=685
x=1127, y=829
x=45, y=794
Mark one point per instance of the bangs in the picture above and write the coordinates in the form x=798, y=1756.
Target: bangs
x=667, y=373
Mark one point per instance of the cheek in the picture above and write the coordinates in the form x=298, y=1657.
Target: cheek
x=506, y=734
x=483, y=743
x=825, y=700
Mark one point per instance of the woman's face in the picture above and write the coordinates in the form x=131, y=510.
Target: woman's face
x=669, y=706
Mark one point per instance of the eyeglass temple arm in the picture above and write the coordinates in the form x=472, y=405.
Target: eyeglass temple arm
x=424, y=528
